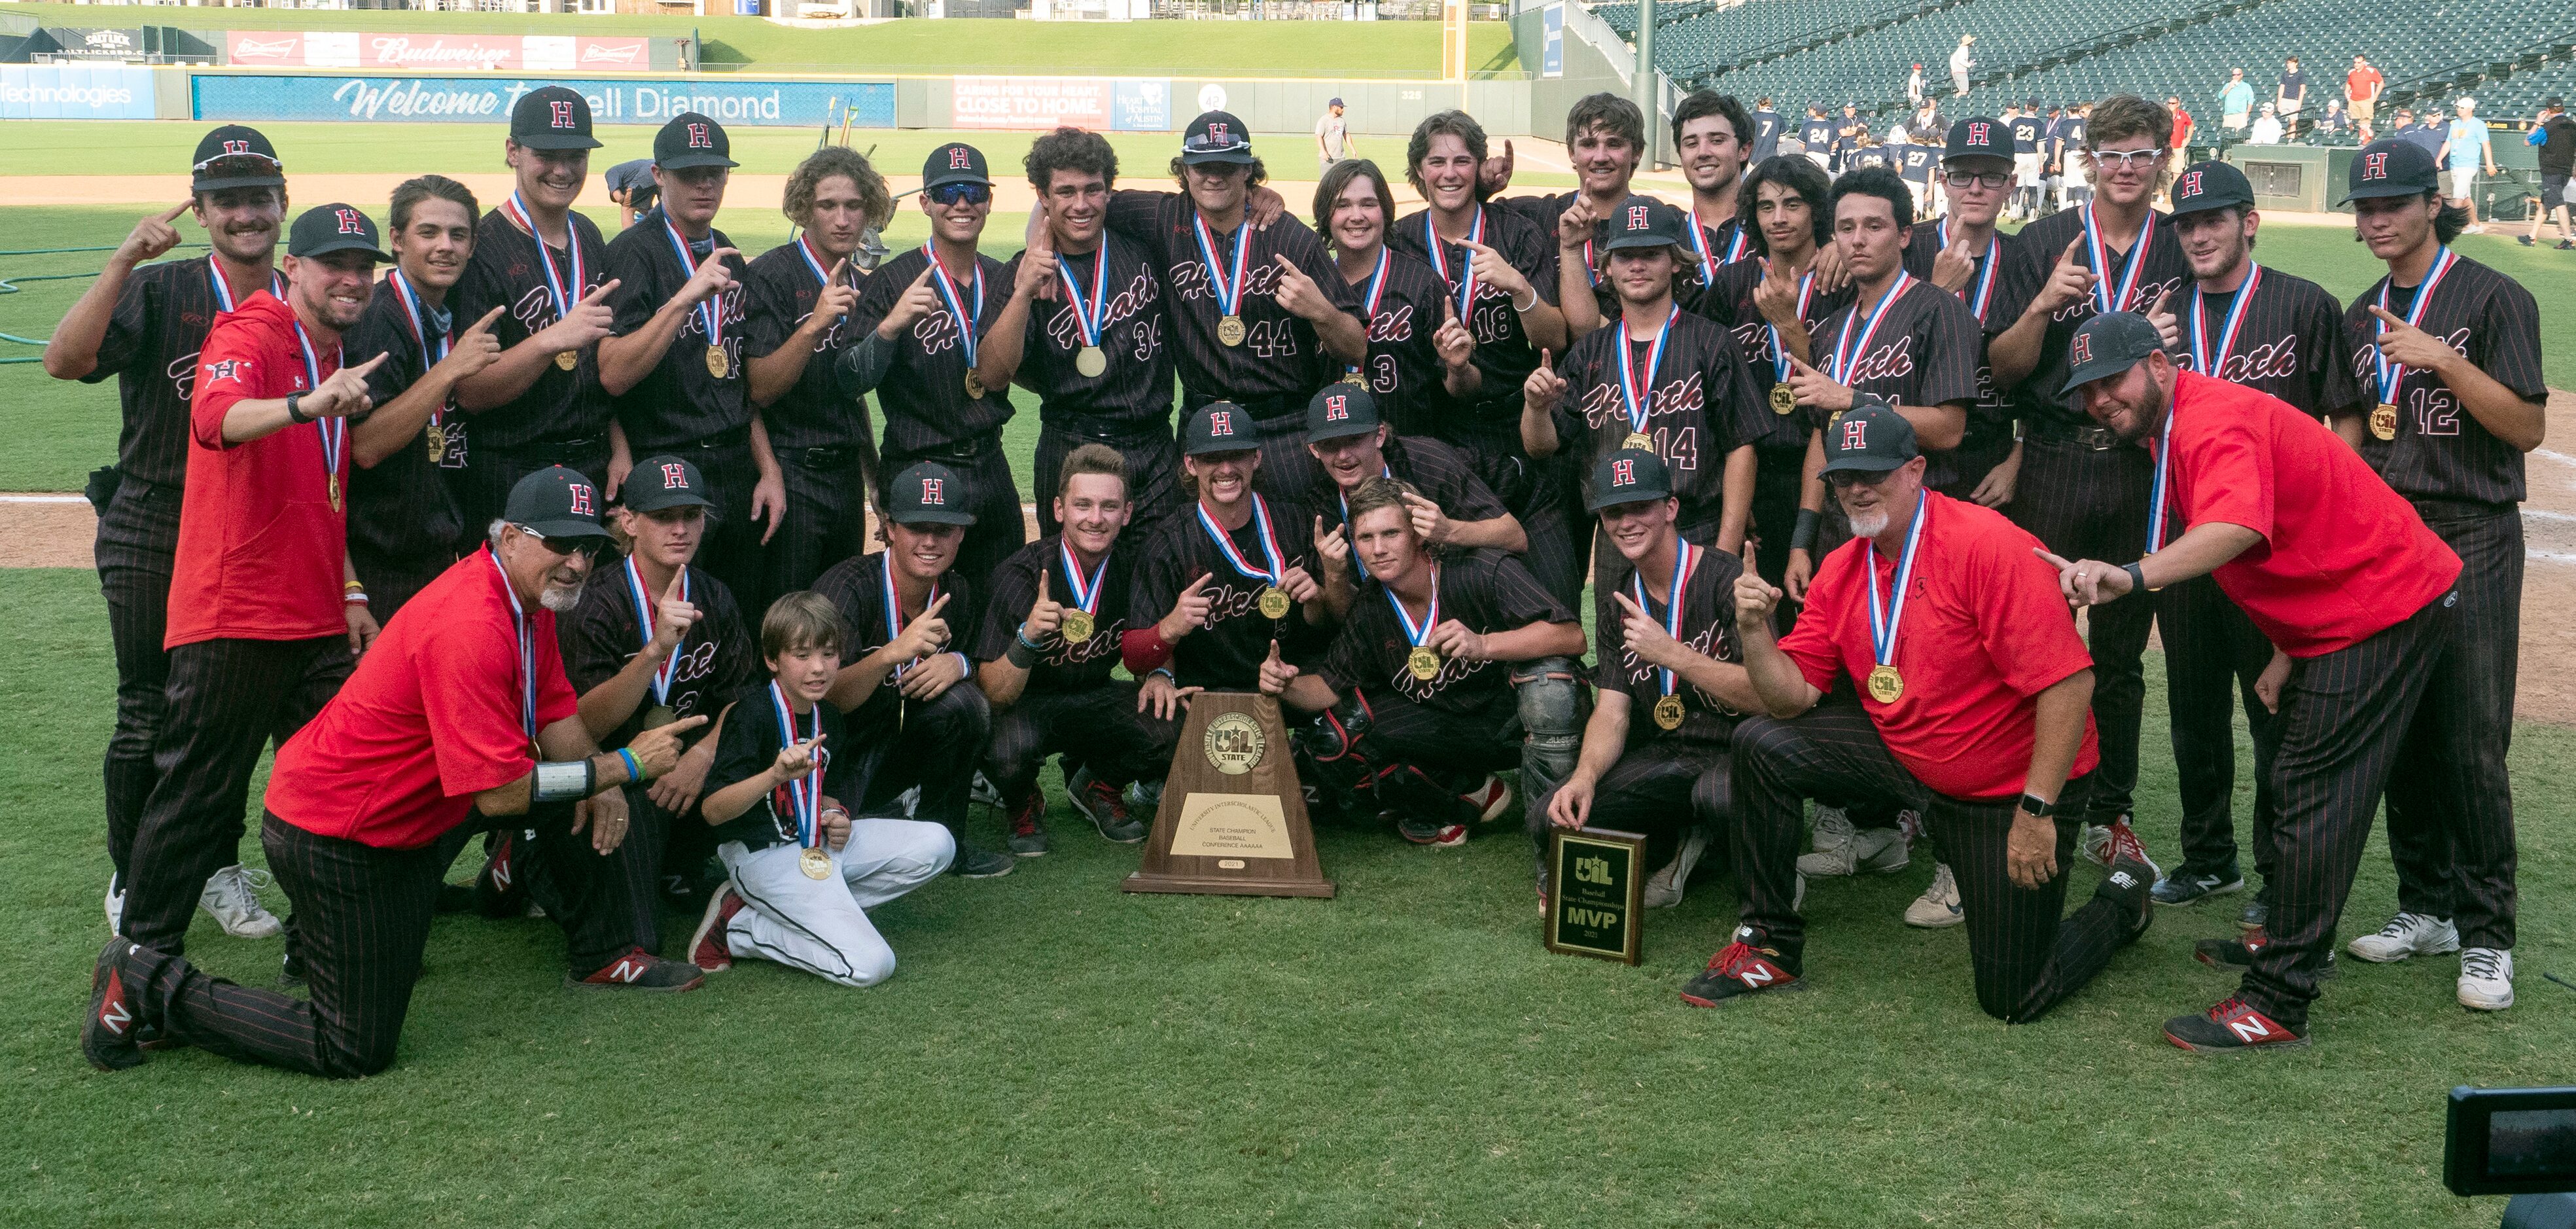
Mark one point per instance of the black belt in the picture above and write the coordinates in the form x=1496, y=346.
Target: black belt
x=2460, y=509
x=549, y=449
x=726, y=438
x=2097, y=438
x=829, y=457
x=955, y=451
x=1133, y=436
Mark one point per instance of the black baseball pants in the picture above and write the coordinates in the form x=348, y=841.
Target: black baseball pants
x=362, y=918
x=2450, y=814
x=2088, y=503
x=2028, y=953
x=138, y=538
x=2345, y=717
x=730, y=551
x=1653, y=791
x=827, y=522
x=1777, y=476
x=991, y=494
x=1154, y=491
x=482, y=485
x=228, y=699
x=2213, y=655
x=1533, y=493
x=1096, y=727
x=935, y=745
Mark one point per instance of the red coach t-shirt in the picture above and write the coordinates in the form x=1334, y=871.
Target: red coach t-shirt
x=2342, y=558
x=1984, y=631
x=430, y=718
x=261, y=549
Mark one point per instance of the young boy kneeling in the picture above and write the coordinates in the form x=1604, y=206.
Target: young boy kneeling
x=802, y=873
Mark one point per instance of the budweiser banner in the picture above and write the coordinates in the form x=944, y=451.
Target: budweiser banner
x=504, y=52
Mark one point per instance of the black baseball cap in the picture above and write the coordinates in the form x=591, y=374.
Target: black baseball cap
x=1644, y=222
x=325, y=229
x=1979, y=136
x=1869, y=438
x=2391, y=167
x=555, y=502
x=1220, y=426
x=551, y=118
x=1341, y=410
x=2108, y=345
x=232, y=157
x=955, y=162
x=1216, y=136
x=1629, y=476
x=927, y=493
x=2204, y=186
x=662, y=482
x=691, y=139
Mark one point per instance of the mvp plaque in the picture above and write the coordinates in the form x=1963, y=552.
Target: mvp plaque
x=1232, y=821
x=1596, y=880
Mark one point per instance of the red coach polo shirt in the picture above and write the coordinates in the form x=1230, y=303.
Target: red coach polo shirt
x=261, y=550
x=430, y=718
x=2342, y=558
x=1985, y=630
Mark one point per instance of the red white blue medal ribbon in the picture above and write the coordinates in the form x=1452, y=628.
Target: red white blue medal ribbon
x=333, y=430
x=894, y=611
x=1686, y=559
x=1884, y=617
x=804, y=795
x=813, y=260
x=967, y=323
x=1780, y=365
x=1640, y=400
x=710, y=314
x=429, y=354
x=2100, y=251
x=1269, y=543
x=224, y=289
x=1465, y=283
x=2391, y=375
x=1226, y=284
x=1376, y=288
x=1088, y=315
x=1980, y=293
x=2212, y=362
x=644, y=622
x=1414, y=632
x=1853, y=345
x=527, y=647
x=1086, y=593
x=565, y=293
x=2164, y=462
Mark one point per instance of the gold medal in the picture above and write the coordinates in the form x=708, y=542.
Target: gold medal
x=1668, y=712
x=334, y=488
x=815, y=863
x=1885, y=684
x=1091, y=362
x=1638, y=441
x=568, y=360
x=659, y=715
x=1423, y=663
x=717, y=365
x=2383, y=421
x=1783, y=400
x=1274, y=602
x=1229, y=330
x=974, y=387
x=437, y=443
x=1077, y=626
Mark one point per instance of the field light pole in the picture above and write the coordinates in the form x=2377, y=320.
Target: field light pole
x=1642, y=86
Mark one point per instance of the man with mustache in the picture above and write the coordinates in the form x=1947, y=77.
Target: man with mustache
x=539, y=403
x=459, y=717
x=144, y=324
x=1935, y=662
x=266, y=613
x=2263, y=329
x=403, y=520
x=2341, y=574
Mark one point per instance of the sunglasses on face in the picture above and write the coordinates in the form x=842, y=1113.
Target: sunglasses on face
x=1983, y=179
x=2126, y=159
x=1841, y=479
x=590, y=549
x=968, y=193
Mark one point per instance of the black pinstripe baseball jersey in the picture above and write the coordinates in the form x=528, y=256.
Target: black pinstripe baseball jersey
x=1280, y=356
x=2441, y=451
x=779, y=290
x=1228, y=651
x=1996, y=301
x=1707, y=627
x=1437, y=469
x=923, y=395
x=2043, y=244
x=857, y=587
x=681, y=398
x=1730, y=304
x=508, y=271
x=1064, y=664
x=1699, y=405
x=1134, y=393
x=2290, y=341
x=606, y=631
x=400, y=507
x=151, y=346
x=1486, y=591
x=1922, y=352
x=1399, y=303
x=1504, y=356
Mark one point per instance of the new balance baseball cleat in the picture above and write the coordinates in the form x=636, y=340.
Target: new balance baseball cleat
x=641, y=970
x=232, y=896
x=1431, y=832
x=1492, y=800
x=497, y=891
x=2190, y=887
x=1749, y=965
x=2131, y=886
x=707, y=947
x=1027, y=834
x=1105, y=807
x=2232, y=1027
x=109, y=1033
x=2105, y=844
x=2238, y=953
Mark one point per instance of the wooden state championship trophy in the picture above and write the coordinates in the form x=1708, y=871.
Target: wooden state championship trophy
x=1233, y=820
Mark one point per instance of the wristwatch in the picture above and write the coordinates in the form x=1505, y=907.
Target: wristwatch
x=2038, y=806
x=295, y=410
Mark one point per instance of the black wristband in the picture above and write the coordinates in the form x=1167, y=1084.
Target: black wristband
x=1803, y=536
x=294, y=410
x=2137, y=579
x=2038, y=806
x=1021, y=653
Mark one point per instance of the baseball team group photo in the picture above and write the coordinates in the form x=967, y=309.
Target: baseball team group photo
x=1521, y=614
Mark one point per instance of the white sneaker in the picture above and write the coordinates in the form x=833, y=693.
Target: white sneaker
x=1832, y=827
x=1878, y=850
x=2407, y=934
x=983, y=791
x=2486, y=978
x=1664, y=887
x=1938, y=906
x=909, y=801
x=232, y=895
x=115, y=905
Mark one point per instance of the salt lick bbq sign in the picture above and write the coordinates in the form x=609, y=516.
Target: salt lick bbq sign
x=520, y=53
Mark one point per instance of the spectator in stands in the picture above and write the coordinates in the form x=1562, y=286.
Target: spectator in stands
x=2464, y=150
x=2235, y=104
x=2361, y=88
x=1332, y=136
x=2182, y=127
x=2336, y=123
x=2268, y=129
x=1929, y=127
x=1767, y=126
x=2555, y=135
x=2428, y=133
x=1817, y=134
x=1914, y=88
x=1961, y=60
x=2290, y=98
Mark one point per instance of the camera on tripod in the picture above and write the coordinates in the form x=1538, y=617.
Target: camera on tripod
x=2519, y=1142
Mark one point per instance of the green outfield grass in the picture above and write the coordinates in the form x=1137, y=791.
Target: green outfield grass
x=1277, y=48
x=1055, y=1053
